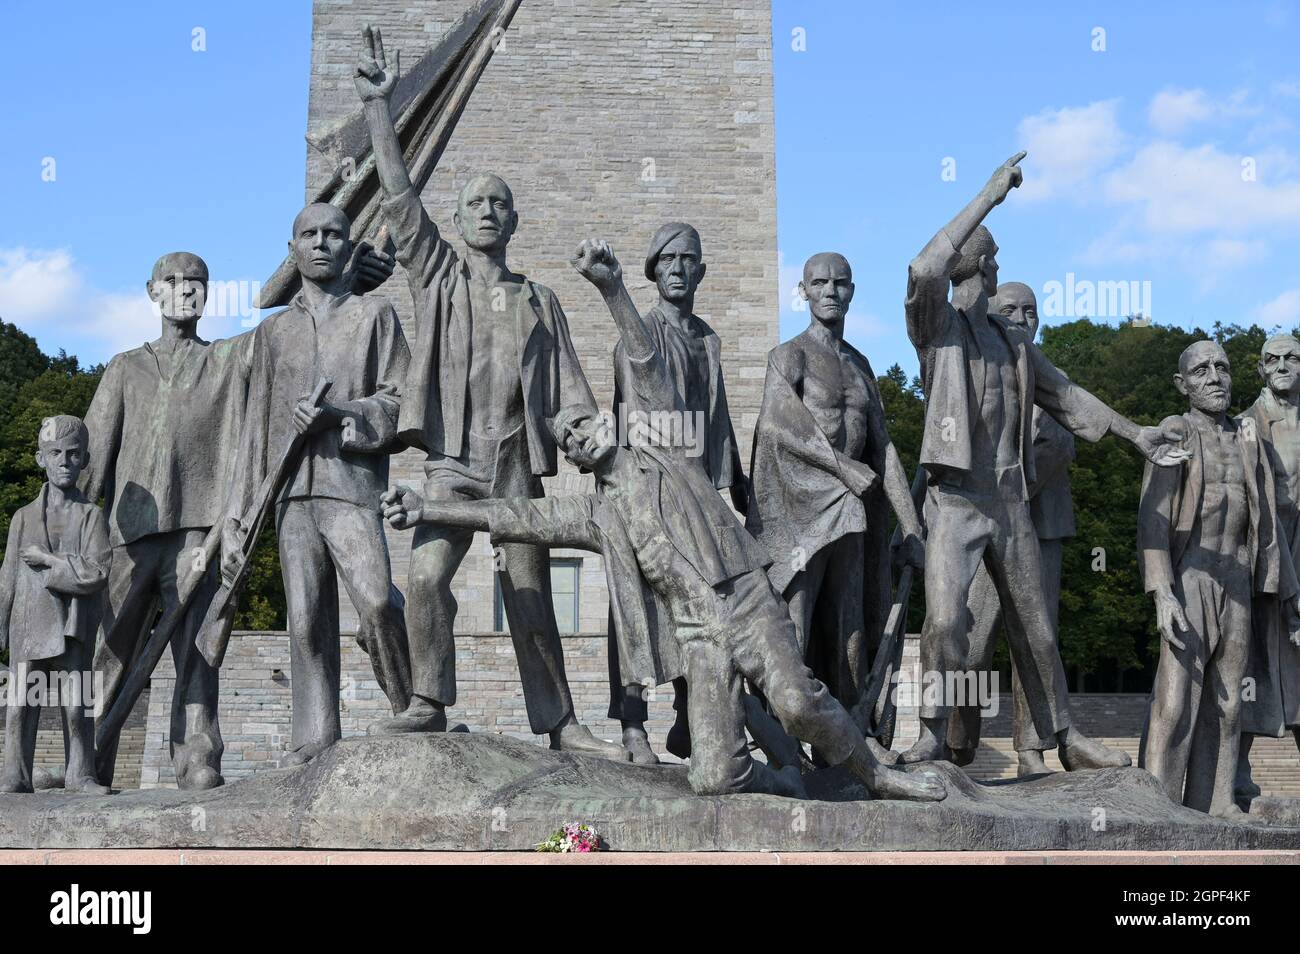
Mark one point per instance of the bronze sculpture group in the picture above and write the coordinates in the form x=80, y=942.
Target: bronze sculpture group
x=769, y=616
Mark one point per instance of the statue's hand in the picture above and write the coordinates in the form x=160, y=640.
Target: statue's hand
x=232, y=548
x=908, y=551
x=1161, y=446
x=402, y=507
x=370, y=268
x=1169, y=616
x=373, y=79
x=38, y=558
x=595, y=262
x=1006, y=177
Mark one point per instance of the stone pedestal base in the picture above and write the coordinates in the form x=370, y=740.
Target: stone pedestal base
x=463, y=792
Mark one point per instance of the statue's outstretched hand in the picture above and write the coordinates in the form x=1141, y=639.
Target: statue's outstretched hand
x=1160, y=445
x=595, y=262
x=1006, y=177
x=373, y=77
x=402, y=507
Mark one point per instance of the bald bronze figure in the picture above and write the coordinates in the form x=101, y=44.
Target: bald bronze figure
x=491, y=362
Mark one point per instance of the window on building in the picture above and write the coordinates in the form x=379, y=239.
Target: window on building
x=564, y=595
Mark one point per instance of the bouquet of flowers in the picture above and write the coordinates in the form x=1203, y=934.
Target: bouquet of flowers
x=574, y=836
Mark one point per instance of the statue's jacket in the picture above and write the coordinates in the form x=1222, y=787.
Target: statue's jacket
x=681, y=497
x=721, y=454
x=1274, y=659
x=362, y=352
x=800, y=502
x=42, y=609
x=1170, y=511
x=952, y=374
x=163, y=446
x=433, y=412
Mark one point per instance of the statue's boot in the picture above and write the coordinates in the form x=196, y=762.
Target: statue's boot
x=420, y=716
x=929, y=747
x=1031, y=763
x=786, y=781
x=303, y=755
x=1244, y=788
x=200, y=779
x=43, y=778
x=962, y=756
x=87, y=785
x=1233, y=813
x=637, y=744
x=883, y=755
x=576, y=737
x=13, y=786
x=1077, y=752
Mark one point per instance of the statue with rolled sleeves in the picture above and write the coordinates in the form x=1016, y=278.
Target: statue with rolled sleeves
x=1274, y=707
x=669, y=542
x=1208, y=543
x=55, y=569
x=982, y=378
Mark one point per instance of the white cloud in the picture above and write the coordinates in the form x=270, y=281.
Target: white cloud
x=1283, y=311
x=44, y=293
x=1172, y=110
x=1181, y=189
x=1068, y=147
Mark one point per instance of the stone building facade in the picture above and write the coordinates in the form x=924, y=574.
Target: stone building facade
x=607, y=119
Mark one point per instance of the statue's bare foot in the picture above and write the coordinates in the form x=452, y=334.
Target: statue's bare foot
x=962, y=756
x=420, y=716
x=1233, y=813
x=576, y=737
x=85, y=786
x=1031, y=763
x=638, y=745
x=889, y=782
x=1077, y=751
x=12, y=786
x=303, y=755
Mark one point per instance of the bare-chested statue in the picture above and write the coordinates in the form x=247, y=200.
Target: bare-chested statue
x=825, y=475
x=1274, y=707
x=1207, y=543
x=982, y=377
x=491, y=361
x=1052, y=509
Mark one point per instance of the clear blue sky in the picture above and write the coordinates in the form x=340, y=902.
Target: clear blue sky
x=1135, y=171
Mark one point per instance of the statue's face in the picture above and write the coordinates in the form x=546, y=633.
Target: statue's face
x=989, y=272
x=1206, y=378
x=485, y=214
x=828, y=288
x=180, y=288
x=679, y=269
x=1016, y=303
x=587, y=444
x=62, y=460
x=1279, y=366
x=321, y=245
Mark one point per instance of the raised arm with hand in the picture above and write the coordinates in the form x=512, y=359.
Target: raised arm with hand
x=375, y=82
x=595, y=262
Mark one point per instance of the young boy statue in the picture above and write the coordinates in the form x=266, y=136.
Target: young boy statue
x=55, y=567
